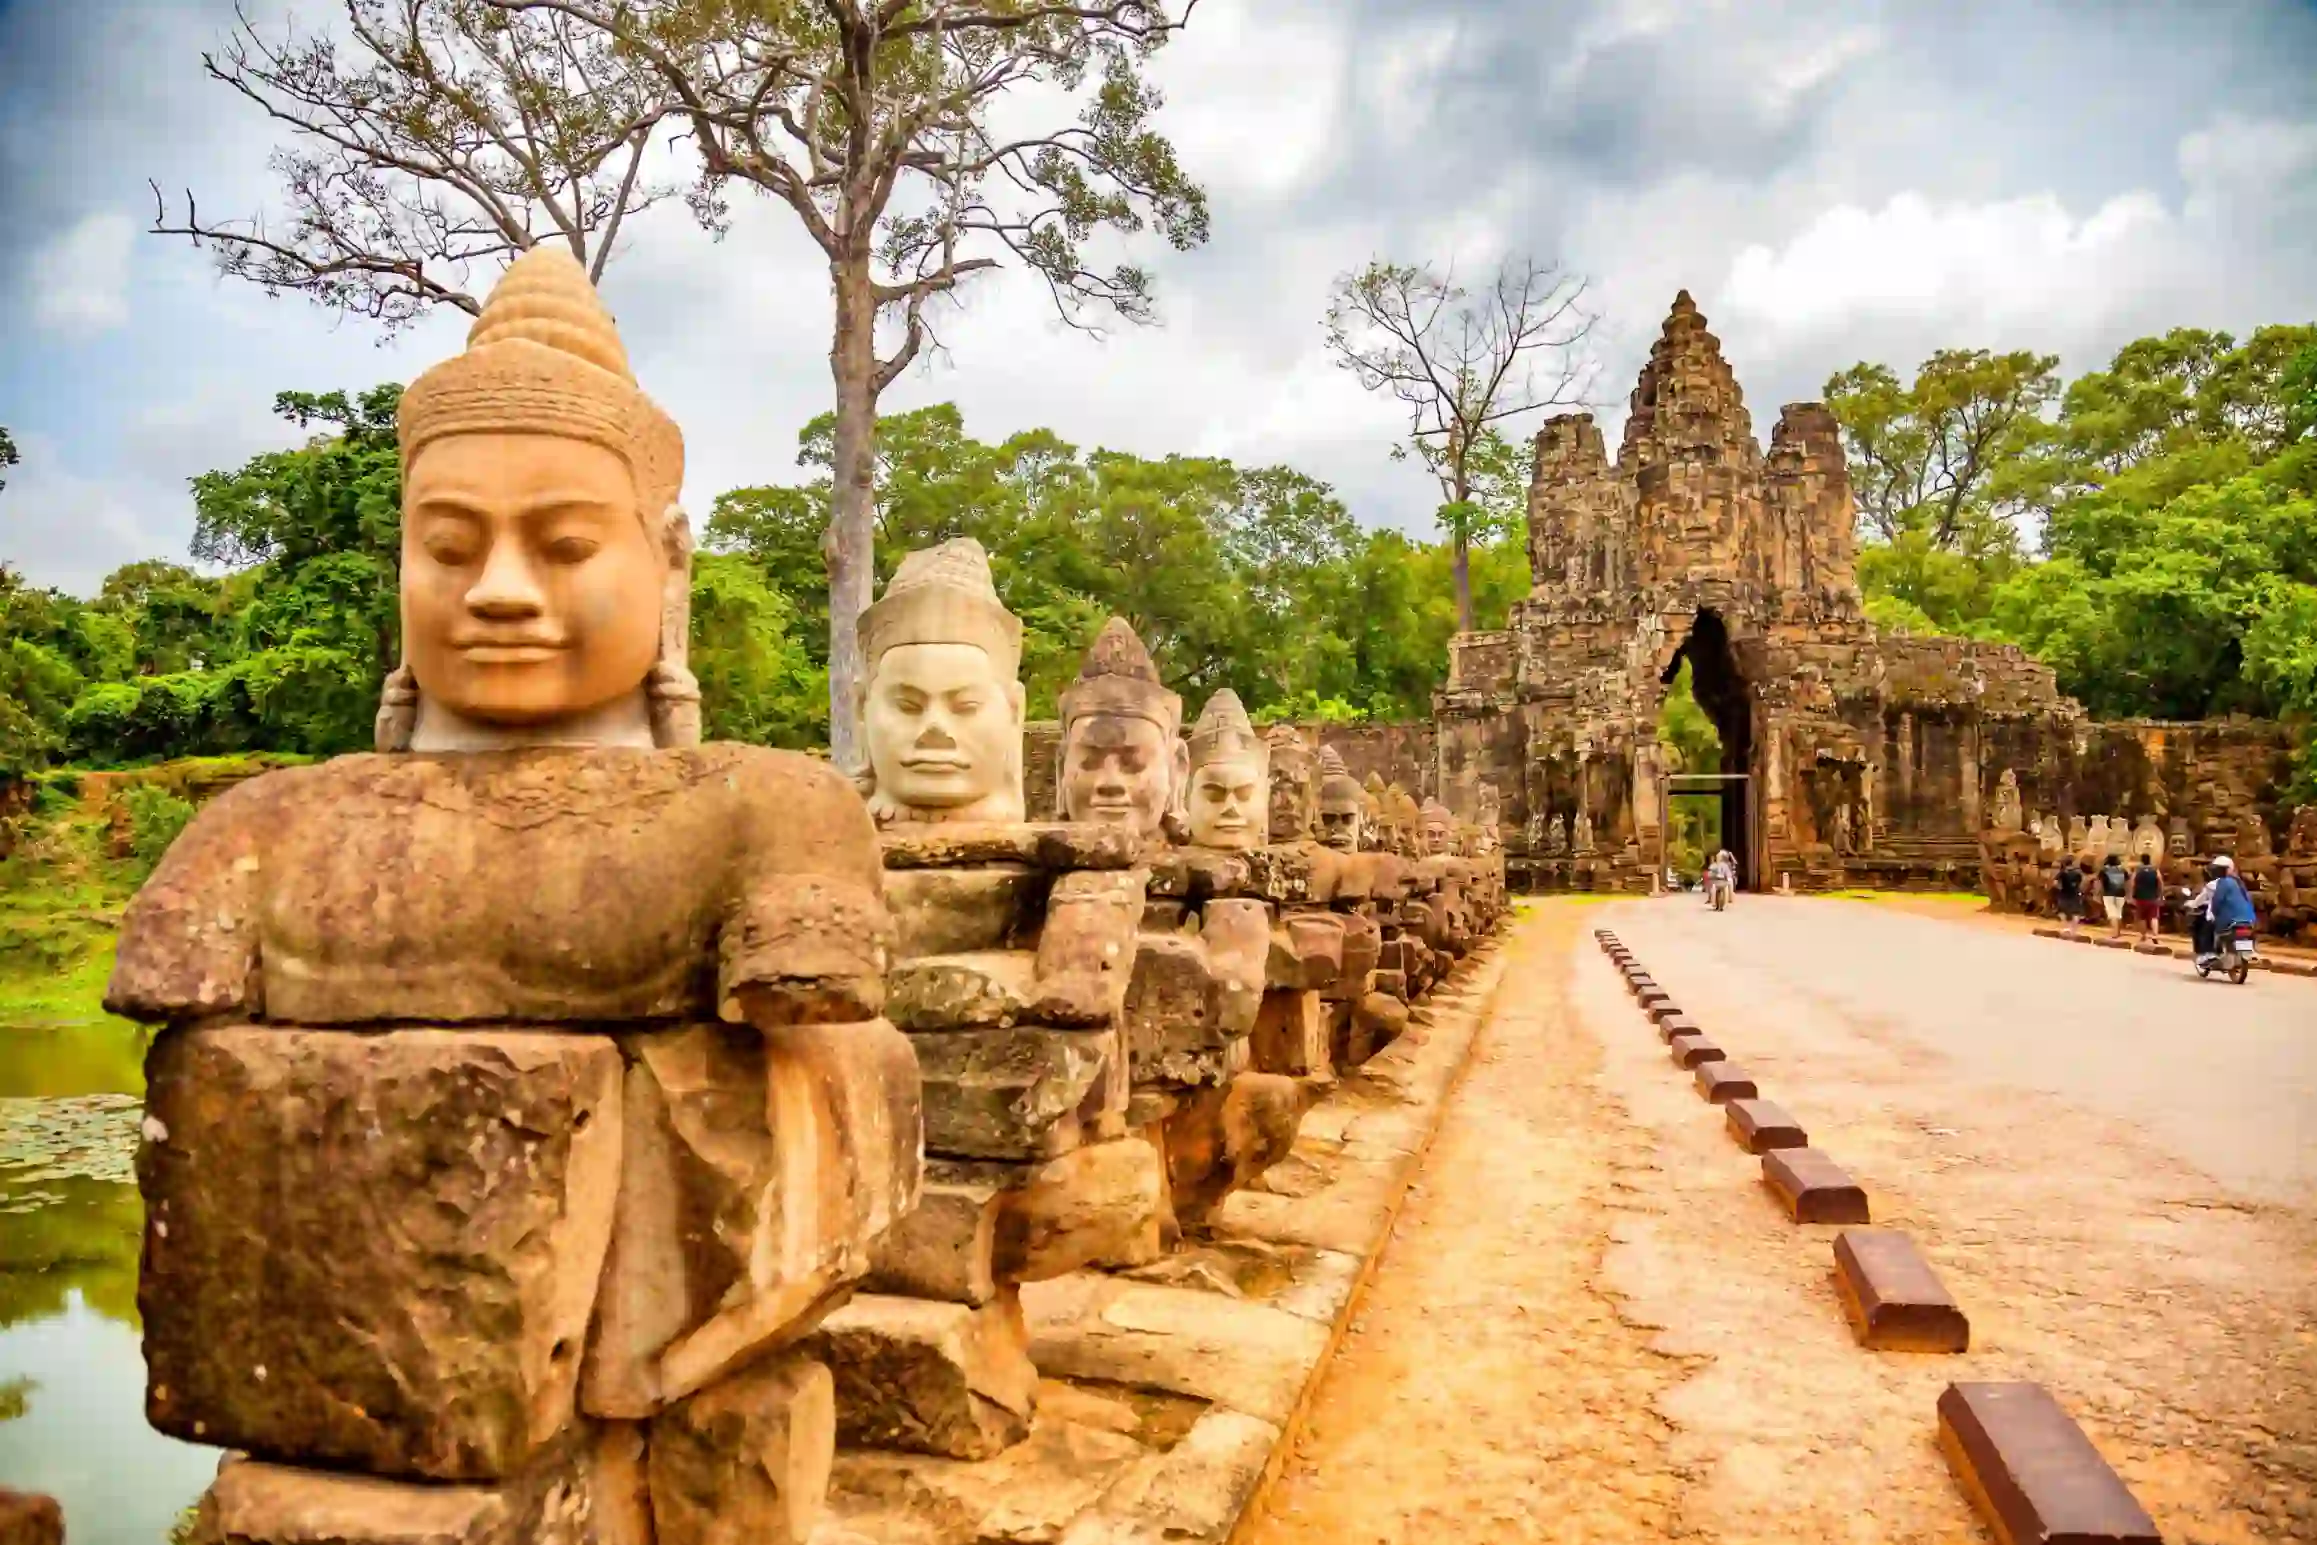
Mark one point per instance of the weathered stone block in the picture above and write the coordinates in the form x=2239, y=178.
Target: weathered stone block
x=1220, y=1140
x=1378, y=1020
x=375, y=1251
x=1895, y=1301
x=1055, y=847
x=1237, y=937
x=930, y=1378
x=1291, y=1035
x=1720, y=1082
x=589, y=1491
x=1105, y=1203
x=945, y=1248
x=1086, y=948
x=988, y=990
x=759, y=1170
x=1024, y=1093
x=1363, y=944
x=961, y=911
x=745, y=1462
x=1307, y=951
x=2031, y=1472
x=1812, y=1187
x=1173, y=1013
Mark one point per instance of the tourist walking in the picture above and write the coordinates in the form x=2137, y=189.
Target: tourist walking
x=2147, y=896
x=2115, y=890
x=2068, y=895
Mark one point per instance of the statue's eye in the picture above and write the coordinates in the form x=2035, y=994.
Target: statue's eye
x=965, y=706
x=908, y=700
x=572, y=549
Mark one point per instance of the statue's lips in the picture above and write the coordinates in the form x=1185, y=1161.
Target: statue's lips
x=521, y=652
x=936, y=764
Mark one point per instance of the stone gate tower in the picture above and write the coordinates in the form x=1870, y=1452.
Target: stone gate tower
x=1843, y=751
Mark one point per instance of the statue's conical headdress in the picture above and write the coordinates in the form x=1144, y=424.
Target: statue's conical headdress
x=1433, y=810
x=545, y=357
x=1338, y=789
x=1225, y=730
x=1119, y=678
x=944, y=595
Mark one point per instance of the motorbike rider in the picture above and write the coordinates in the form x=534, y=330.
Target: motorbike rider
x=1722, y=876
x=2232, y=904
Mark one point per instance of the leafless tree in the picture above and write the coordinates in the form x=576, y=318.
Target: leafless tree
x=427, y=148
x=1462, y=364
x=875, y=122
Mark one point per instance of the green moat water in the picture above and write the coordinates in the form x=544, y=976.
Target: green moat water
x=72, y=1372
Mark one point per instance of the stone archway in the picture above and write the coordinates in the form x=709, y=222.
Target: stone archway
x=1721, y=689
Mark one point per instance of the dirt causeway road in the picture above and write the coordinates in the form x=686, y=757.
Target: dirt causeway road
x=1594, y=1324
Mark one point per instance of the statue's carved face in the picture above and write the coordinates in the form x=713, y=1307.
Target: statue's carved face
x=1339, y=827
x=1118, y=770
x=1291, y=792
x=531, y=590
x=1439, y=838
x=941, y=724
x=1228, y=803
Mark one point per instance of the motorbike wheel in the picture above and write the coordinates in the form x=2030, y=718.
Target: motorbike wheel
x=2239, y=968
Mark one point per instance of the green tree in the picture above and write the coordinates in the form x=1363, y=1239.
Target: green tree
x=7, y=453
x=1939, y=456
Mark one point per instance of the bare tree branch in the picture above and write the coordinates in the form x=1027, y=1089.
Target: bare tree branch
x=1462, y=364
x=427, y=146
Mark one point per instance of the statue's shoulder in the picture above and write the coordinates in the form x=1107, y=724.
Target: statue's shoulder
x=188, y=939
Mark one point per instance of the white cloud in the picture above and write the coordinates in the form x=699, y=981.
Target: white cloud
x=83, y=528
x=80, y=280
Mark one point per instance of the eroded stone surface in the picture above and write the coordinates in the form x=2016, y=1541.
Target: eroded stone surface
x=745, y=1462
x=1024, y=1093
x=375, y=1251
x=930, y=1378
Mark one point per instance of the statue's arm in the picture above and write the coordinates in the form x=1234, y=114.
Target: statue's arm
x=805, y=936
x=188, y=944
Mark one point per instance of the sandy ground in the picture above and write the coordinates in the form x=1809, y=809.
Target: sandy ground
x=1594, y=1324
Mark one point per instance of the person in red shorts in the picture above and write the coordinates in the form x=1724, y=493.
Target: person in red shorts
x=2147, y=897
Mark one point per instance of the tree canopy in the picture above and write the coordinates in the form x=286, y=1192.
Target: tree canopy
x=278, y=632
x=2150, y=532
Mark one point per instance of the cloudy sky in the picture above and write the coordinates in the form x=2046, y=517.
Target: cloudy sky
x=1833, y=181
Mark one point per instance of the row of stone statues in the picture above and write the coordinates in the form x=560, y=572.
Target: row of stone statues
x=560, y=1130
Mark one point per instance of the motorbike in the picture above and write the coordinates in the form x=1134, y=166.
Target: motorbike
x=2232, y=954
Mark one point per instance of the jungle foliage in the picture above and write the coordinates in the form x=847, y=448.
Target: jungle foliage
x=275, y=634
x=2149, y=531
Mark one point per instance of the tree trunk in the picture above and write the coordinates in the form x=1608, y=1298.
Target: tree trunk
x=849, y=546
x=1460, y=488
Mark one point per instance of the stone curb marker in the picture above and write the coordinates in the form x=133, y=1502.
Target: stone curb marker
x=1895, y=1301
x=2030, y=1471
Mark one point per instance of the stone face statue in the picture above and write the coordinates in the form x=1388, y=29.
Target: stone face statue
x=1405, y=819
x=1581, y=839
x=2007, y=812
x=1438, y=828
x=2177, y=840
x=546, y=571
x=2050, y=836
x=1340, y=803
x=2098, y=840
x=2079, y=836
x=941, y=708
x=1557, y=837
x=1375, y=816
x=1123, y=761
x=389, y=987
x=1230, y=777
x=1488, y=819
x=1294, y=785
x=2147, y=839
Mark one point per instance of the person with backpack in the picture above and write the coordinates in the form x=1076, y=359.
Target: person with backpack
x=2115, y=887
x=2068, y=894
x=2148, y=896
